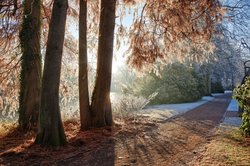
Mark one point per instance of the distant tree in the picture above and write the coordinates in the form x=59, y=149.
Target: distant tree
x=51, y=131
x=101, y=105
x=236, y=25
x=227, y=63
x=30, y=79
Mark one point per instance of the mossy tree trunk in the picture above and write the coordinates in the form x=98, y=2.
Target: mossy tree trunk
x=83, y=68
x=30, y=78
x=101, y=105
x=50, y=130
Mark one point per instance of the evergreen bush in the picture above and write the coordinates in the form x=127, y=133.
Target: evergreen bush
x=242, y=95
x=177, y=83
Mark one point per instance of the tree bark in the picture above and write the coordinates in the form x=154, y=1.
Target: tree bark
x=51, y=131
x=101, y=105
x=83, y=68
x=30, y=78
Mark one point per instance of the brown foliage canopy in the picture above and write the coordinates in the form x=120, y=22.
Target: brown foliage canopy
x=163, y=26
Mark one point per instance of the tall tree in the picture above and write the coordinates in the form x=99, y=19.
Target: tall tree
x=101, y=106
x=51, y=131
x=83, y=68
x=30, y=80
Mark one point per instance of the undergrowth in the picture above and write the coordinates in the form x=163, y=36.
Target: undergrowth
x=127, y=106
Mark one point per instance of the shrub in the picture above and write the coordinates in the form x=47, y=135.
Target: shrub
x=127, y=106
x=177, y=83
x=242, y=95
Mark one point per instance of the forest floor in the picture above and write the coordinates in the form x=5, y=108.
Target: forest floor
x=192, y=138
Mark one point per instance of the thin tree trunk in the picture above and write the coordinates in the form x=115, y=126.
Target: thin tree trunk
x=83, y=68
x=208, y=84
x=101, y=105
x=51, y=130
x=30, y=78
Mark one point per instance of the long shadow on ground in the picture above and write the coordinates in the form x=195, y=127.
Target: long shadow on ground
x=171, y=142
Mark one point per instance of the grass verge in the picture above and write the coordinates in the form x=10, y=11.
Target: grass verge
x=228, y=147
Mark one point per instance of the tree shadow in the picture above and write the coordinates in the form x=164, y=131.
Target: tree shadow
x=174, y=141
x=14, y=138
x=180, y=138
x=13, y=143
x=94, y=147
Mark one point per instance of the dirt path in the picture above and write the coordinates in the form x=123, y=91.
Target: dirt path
x=176, y=141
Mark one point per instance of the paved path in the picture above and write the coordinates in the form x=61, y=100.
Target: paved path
x=231, y=116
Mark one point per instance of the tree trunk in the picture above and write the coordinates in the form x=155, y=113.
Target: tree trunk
x=208, y=84
x=50, y=131
x=30, y=78
x=83, y=68
x=101, y=105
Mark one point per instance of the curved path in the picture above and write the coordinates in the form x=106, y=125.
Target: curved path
x=175, y=141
